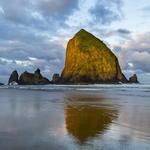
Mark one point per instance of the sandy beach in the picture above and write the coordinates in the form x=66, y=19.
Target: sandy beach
x=94, y=117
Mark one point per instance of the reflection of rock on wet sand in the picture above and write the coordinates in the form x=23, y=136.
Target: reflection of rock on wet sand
x=84, y=121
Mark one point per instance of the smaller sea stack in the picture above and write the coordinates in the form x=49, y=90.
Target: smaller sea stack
x=27, y=78
x=35, y=78
x=133, y=79
x=13, y=78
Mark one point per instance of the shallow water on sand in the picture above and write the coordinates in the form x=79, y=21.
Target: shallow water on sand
x=94, y=117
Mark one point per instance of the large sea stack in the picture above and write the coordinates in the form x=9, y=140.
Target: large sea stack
x=89, y=60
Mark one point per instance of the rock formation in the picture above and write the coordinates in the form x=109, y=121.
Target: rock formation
x=1, y=84
x=13, y=77
x=133, y=79
x=56, y=78
x=27, y=78
x=89, y=60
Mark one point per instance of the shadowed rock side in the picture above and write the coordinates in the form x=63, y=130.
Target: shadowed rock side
x=89, y=60
x=27, y=78
x=85, y=121
x=13, y=77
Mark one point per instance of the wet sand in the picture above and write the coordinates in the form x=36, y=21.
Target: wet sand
x=75, y=118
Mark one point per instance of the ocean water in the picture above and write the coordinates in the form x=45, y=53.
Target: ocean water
x=87, y=117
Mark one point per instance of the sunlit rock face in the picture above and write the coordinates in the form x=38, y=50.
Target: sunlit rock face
x=89, y=60
x=84, y=122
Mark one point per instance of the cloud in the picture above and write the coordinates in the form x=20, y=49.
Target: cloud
x=141, y=60
x=39, y=14
x=146, y=9
x=47, y=14
x=123, y=33
x=134, y=53
x=28, y=30
x=56, y=9
x=105, y=12
x=96, y=12
x=21, y=59
x=48, y=65
x=19, y=45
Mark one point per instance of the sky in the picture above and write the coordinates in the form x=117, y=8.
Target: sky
x=34, y=33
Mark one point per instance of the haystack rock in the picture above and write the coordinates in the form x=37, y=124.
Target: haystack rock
x=13, y=78
x=133, y=79
x=27, y=78
x=89, y=60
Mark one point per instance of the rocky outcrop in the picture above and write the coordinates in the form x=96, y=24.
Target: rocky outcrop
x=27, y=78
x=55, y=78
x=89, y=60
x=133, y=79
x=1, y=84
x=13, y=77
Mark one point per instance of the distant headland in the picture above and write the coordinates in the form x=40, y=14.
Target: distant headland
x=88, y=61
